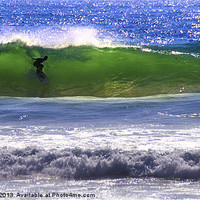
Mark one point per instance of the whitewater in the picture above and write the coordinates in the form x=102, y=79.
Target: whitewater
x=119, y=117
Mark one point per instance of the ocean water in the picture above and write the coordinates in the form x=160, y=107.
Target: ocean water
x=119, y=117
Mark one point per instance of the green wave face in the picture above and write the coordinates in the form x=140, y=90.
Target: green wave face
x=90, y=71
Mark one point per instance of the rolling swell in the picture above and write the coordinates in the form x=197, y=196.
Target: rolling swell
x=79, y=164
x=92, y=71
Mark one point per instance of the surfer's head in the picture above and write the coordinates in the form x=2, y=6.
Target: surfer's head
x=45, y=58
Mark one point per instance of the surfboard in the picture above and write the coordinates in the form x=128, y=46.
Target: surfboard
x=42, y=77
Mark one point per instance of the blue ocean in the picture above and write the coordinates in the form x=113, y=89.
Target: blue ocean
x=118, y=115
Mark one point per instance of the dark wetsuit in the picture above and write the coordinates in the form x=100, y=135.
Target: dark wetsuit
x=38, y=64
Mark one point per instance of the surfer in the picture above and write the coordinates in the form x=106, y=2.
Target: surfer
x=38, y=64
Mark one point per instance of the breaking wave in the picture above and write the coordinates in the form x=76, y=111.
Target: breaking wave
x=87, y=164
x=94, y=71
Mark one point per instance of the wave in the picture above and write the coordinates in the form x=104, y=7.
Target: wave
x=80, y=164
x=54, y=37
x=95, y=71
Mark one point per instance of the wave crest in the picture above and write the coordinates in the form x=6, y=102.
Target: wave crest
x=92, y=71
x=55, y=37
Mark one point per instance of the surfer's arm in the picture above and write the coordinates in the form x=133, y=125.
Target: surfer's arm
x=40, y=60
x=33, y=58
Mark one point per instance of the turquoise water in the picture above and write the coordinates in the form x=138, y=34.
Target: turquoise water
x=102, y=49
x=94, y=71
x=121, y=110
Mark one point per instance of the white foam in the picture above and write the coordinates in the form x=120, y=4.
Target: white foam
x=76, y=163
x=55, y=37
